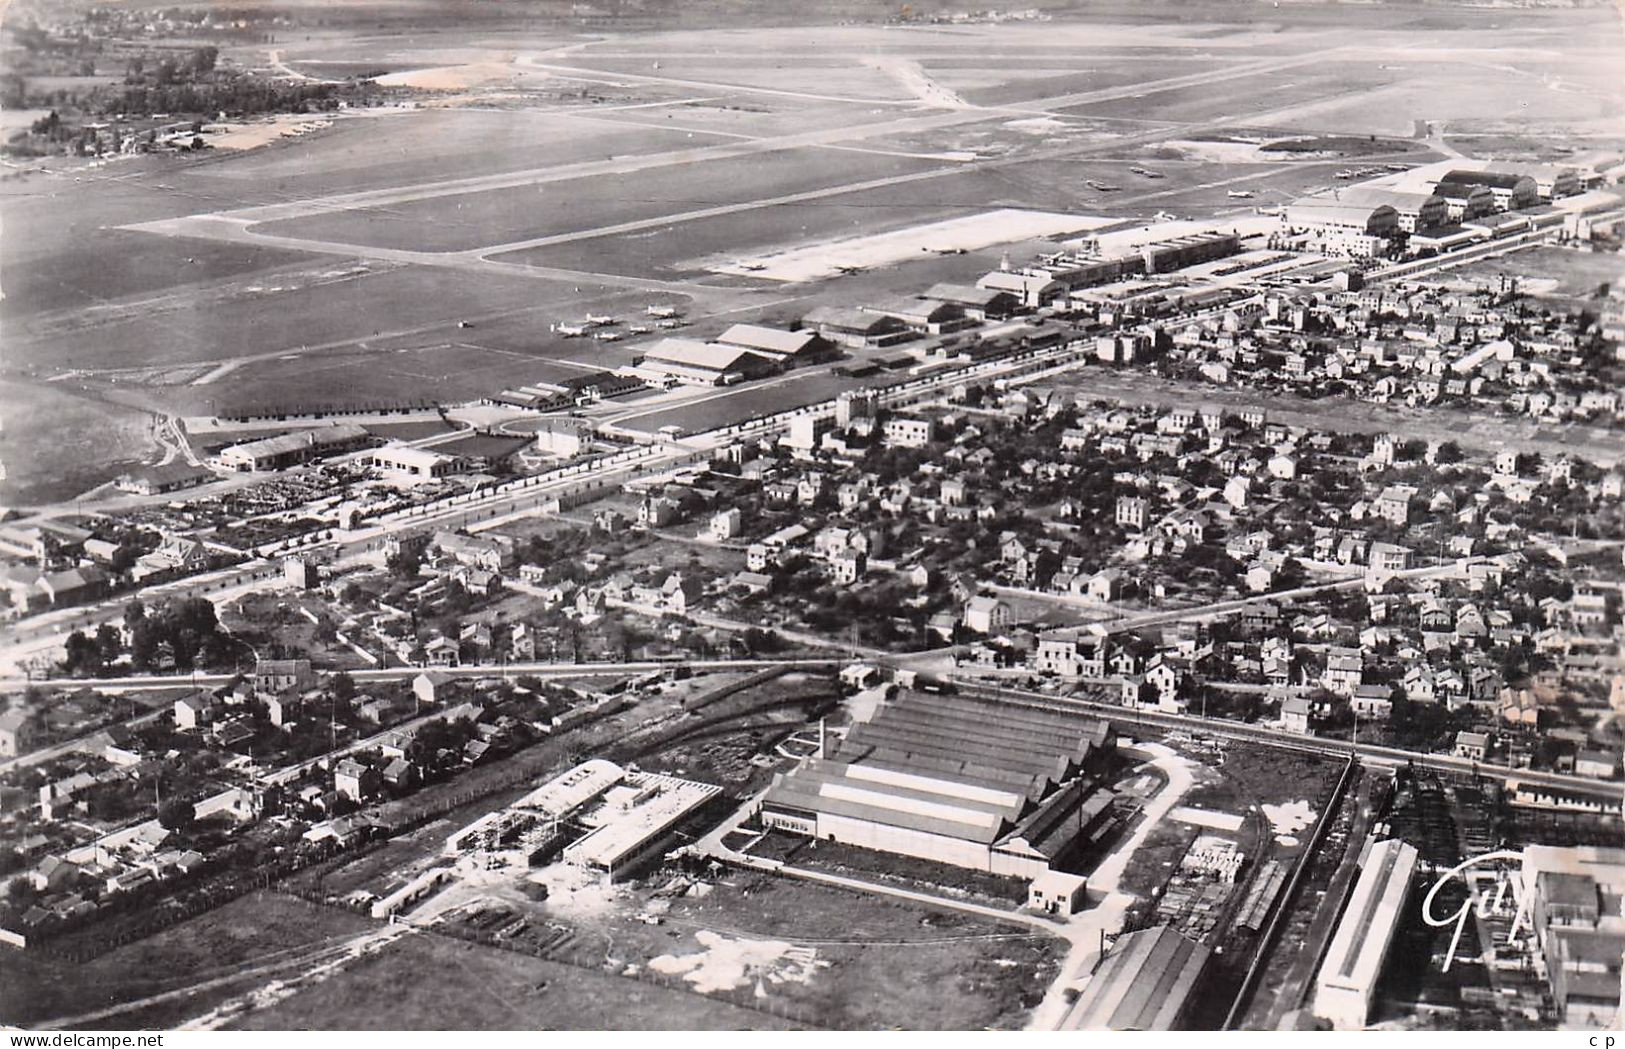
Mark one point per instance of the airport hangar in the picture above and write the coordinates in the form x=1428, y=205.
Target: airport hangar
x=956, y=780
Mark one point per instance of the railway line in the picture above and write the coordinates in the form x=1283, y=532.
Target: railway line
x=1368, y=752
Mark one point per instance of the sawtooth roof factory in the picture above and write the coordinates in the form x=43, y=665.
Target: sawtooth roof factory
x=956, y=780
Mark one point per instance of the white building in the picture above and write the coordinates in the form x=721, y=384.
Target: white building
x=1347, y=981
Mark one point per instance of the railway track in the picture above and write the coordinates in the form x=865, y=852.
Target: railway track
x=1378, y=755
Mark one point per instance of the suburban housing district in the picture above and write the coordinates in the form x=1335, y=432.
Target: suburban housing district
x=1073, y=616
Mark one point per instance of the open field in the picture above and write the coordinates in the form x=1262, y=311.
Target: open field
x=1548, y=271
x=249, y=931
x=58, y=441
x=479, y=988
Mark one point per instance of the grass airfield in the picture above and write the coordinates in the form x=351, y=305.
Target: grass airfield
x=543, y=175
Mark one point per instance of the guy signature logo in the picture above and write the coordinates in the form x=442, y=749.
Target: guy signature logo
x=1493, y=886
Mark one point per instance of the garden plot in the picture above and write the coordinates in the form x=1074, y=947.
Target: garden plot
x=968, y=233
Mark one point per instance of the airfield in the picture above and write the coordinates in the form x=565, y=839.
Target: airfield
x=425, y=253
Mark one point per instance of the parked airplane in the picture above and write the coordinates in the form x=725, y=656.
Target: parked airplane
x=661, y=311
x=1240, y=194
x=599, y=321
x=752, y=266
x=570, y=331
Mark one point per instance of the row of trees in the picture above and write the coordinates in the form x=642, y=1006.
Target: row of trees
x=183, y=632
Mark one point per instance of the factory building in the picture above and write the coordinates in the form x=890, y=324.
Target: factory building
x=630, y=822
x=695, y=363
x=292, y=449
x=1146, y=982
x=1416, y=211
x=956, y=780
x=619, y=820
x=1576, y=901
x=1509, y=191
x=1340, y=226
x=1347, y=981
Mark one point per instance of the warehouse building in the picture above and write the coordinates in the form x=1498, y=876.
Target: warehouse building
x=1416, y=211
x=292, y=449
x=619, y=819
x=167, y=477
x=786, y=347
x=402, y=462
x=1347, y=981
x=1339, y=226
x=956, y=780
x=857, y=329
x=1146, y=982
x=1576, y=901
x=695, y=363
x=1465, y=202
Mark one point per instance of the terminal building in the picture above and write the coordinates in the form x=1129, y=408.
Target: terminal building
x=956, y=780
x=1146, y=982
x=1347, y=982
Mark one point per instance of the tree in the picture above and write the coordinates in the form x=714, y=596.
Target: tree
x=203, y=60
x=176, y=814
x=343, y=686
x=83, y=655
x=110, y=641
x=134, y=613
